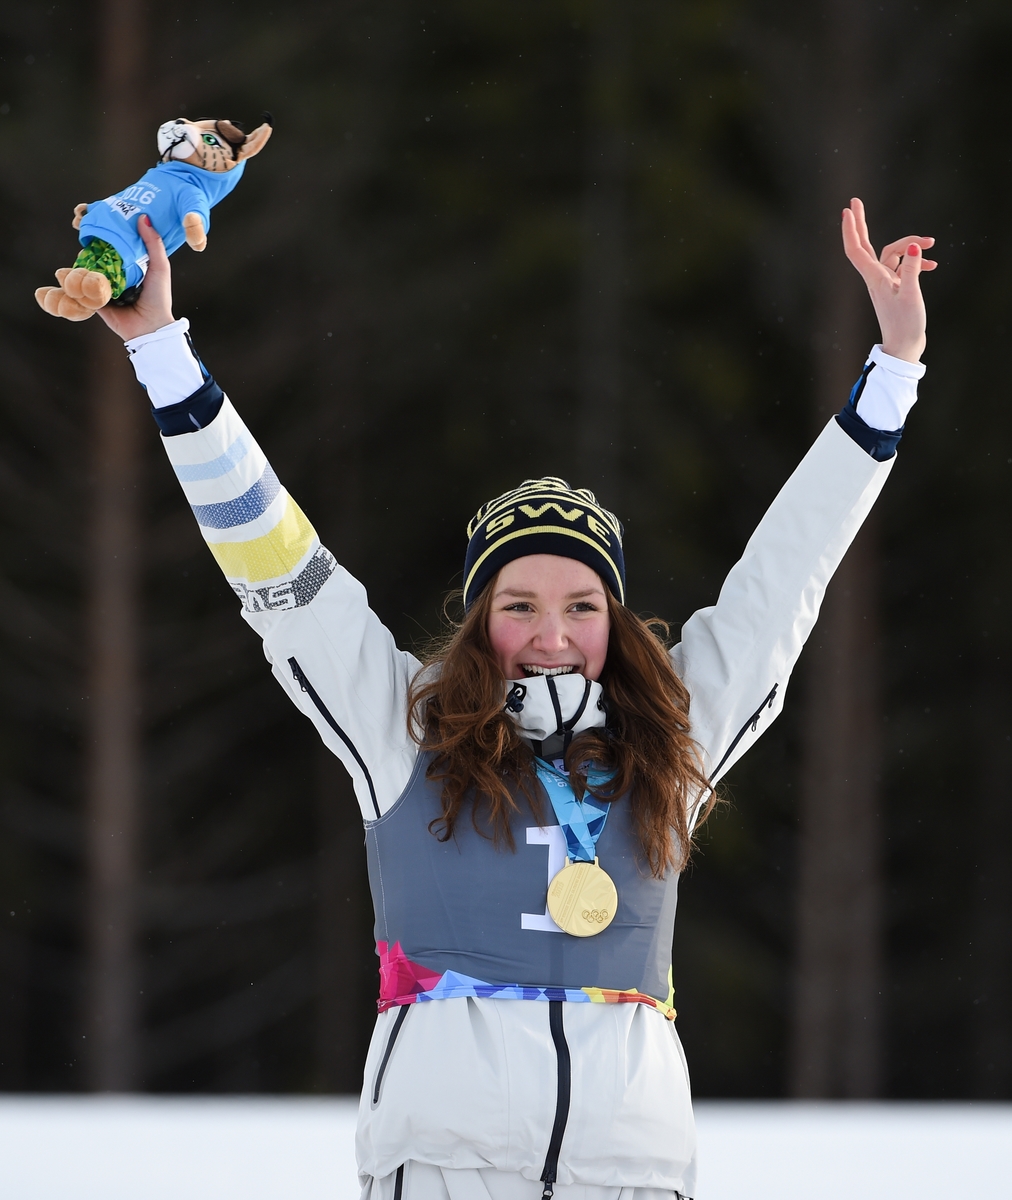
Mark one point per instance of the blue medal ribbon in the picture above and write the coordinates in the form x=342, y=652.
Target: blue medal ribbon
x=582, y=821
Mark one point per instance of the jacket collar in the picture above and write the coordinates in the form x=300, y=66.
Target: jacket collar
x=550, y=710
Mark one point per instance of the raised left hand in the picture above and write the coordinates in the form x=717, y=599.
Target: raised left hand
x=893, y=282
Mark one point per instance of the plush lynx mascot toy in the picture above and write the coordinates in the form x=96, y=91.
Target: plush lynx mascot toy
x=200, y=162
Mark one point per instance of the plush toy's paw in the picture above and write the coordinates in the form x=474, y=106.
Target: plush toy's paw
x=80, y=293
x=57, y=303
x=79, y=212
x=89, y=288
x=193, y=227
x=42, y=295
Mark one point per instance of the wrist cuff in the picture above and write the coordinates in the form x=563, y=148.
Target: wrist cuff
x=887, y=390
x=191, y=414
x=166, y=365
x=159, y=335
x=898, y=366
x=880, y=444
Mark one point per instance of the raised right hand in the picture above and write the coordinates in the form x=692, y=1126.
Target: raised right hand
x=153, y=309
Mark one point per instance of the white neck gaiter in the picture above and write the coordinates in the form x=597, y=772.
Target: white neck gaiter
x=550, y=710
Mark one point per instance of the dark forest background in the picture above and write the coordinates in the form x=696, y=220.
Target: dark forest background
x=487, y=241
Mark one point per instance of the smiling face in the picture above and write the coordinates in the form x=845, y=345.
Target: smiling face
x=549, y=616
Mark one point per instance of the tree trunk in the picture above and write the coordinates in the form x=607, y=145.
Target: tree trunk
x=993, y=901
x=836, y=1036
x=345, y=952
x=604, y=253
x=113, y=732
x=837, y=1033
x=15, y=988
x=345, y=993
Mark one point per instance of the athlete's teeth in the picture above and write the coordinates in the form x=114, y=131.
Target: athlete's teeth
x=549, y=670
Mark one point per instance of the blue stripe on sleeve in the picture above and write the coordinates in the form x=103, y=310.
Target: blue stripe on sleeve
x=247, y=507
x=195, y=472
x=879, y=443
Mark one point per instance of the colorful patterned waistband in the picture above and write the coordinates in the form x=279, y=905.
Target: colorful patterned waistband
x=405, y=982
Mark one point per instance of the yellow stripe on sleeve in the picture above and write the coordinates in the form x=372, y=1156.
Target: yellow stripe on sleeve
x=271, y=556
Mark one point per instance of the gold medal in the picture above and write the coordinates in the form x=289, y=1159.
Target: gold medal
x=582, y=898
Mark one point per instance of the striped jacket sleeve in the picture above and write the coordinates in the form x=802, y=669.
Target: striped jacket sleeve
x=265, y=545
x=327, y=648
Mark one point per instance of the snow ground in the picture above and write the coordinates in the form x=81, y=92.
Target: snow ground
x=155, y=1148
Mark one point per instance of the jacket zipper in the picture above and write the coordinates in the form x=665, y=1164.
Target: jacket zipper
x=753, y=721
x=303, y=682
x=402, y=1012
x=551, y=1170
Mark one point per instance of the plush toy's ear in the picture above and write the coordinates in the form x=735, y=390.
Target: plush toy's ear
x=255, y=141
x=232, y=134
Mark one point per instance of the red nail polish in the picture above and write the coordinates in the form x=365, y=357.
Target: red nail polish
x=913, y=250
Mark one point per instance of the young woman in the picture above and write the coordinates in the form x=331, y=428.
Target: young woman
x=529, y=797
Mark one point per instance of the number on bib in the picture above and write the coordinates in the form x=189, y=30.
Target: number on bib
x=555, y=840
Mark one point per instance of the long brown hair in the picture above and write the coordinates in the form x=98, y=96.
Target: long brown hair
x=456, y=711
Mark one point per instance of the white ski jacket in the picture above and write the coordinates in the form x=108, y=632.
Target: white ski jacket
x=465, y=1084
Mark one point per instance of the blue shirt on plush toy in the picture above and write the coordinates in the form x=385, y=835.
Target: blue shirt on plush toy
x=166, y=194
x=200, y=163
